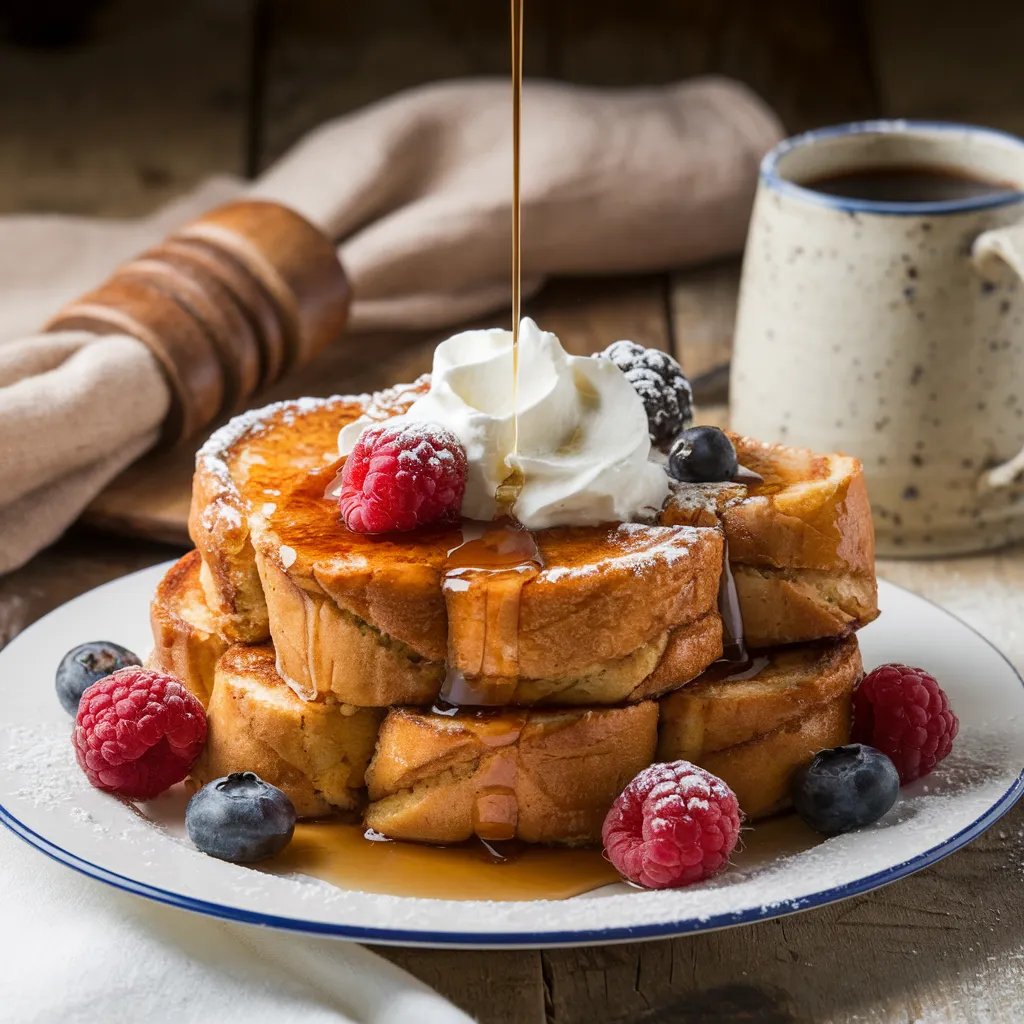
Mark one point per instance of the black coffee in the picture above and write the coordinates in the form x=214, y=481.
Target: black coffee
x=908, y=185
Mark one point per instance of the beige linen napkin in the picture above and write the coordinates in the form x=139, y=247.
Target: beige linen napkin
x=417, y=192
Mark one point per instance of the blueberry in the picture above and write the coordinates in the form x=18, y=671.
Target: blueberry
x=240, y=818
x=659, y=381
x=87, y=664
x=702, y=455
x=845, y=788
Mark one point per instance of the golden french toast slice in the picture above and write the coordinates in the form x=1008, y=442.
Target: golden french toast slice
x=317, y=753
x=535, y=775
x=364, y=619
x=756, y=729
x=801, y=544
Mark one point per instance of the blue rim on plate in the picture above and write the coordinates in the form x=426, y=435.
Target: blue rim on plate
x=770, y=177
x=401, y=937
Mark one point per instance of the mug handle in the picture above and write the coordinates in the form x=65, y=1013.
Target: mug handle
x=992, y=253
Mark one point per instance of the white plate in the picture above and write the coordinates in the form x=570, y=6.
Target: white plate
x=782, y=868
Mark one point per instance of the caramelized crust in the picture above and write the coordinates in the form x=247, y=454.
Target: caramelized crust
x=688, y=651
x=316, y=753
x=364, y=620
x=794, y=605
x=761, y=770
x=801, y=544
x=371, y=667
x=754, y=733
x=546, y=776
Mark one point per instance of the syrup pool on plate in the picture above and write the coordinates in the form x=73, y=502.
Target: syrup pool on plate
x=340, y=854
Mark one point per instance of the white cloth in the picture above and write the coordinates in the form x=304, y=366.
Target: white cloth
x=76, y=951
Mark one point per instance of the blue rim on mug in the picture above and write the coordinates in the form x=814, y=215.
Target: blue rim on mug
x=771, y=178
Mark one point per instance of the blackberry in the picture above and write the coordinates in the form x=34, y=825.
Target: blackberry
x=659, y=381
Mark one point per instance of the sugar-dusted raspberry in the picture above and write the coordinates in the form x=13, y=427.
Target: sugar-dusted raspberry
x=138, y=732
x=673, y=825
x=906, y=714
x=400, y=476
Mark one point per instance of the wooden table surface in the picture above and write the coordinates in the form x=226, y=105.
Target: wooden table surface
x=114, y=127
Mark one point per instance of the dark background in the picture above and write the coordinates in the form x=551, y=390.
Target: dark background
x=114, y=106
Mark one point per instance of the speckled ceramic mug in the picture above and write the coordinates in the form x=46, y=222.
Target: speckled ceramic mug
x=893, y=331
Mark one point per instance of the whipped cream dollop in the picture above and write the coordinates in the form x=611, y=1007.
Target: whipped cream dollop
x=584, y=448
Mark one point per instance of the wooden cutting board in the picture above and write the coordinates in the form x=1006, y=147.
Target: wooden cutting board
x=690, y=314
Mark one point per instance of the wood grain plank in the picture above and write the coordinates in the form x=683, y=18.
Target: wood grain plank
x=83, y=559
x=152, y=104
x=492, y=987
x=588, y=314
x=807, y=59
x=703, y=311
x=328, y=59
x=936, y=60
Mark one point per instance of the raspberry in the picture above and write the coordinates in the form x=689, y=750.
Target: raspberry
x=659, y=381
x=401, y=476
x=138, y=732
x=673, y=825
x=904, y=713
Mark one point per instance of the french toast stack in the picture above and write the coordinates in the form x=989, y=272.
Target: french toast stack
x=321, y=654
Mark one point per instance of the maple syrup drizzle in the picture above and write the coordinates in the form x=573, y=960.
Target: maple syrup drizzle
x=483, y=584
x=747, y=477
x=517, y=254
x=341, y=854
x=734, y=647
x=495, y=806
x=723, y=671
x=486, y=573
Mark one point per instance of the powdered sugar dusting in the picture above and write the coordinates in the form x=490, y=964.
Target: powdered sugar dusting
x=709, y=497
x=212, y=457
x=221, y=441
x=644, y=549
x=43, y=759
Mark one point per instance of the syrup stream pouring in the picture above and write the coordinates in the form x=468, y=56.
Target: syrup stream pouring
x=517, y=255
x=486, y=573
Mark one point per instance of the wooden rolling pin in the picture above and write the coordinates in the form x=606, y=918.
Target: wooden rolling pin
x=228, y=304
